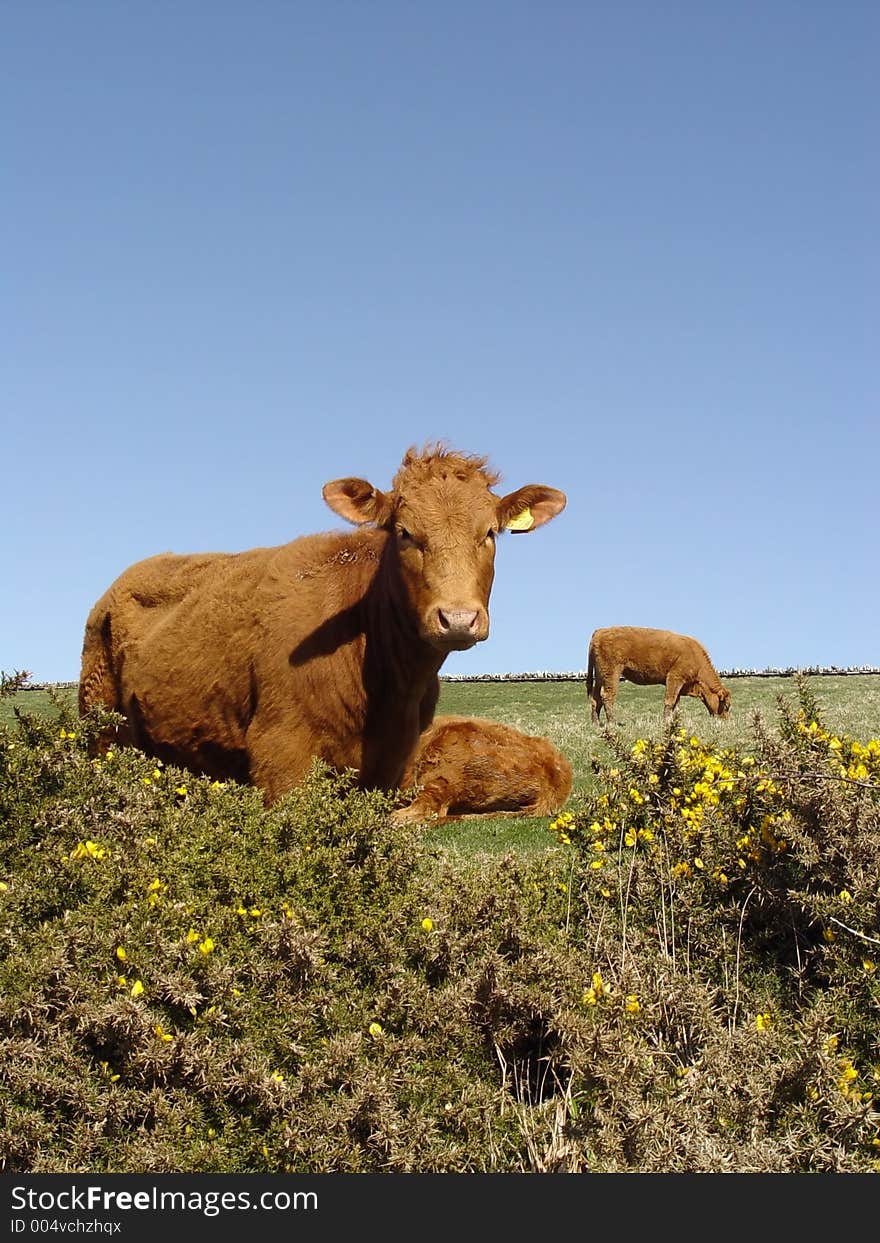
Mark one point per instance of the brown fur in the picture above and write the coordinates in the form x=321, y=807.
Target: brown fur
x=249, y=665
x=468, y=766
x=650, y=658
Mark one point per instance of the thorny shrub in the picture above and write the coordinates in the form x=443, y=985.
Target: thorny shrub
x=685, y=981
x=732, y=904
x=189, y=982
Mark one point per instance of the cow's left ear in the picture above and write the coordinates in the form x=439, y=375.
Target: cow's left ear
x=357, y=501
x=529, y=507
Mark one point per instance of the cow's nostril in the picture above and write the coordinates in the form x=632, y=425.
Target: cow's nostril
x=457, y=621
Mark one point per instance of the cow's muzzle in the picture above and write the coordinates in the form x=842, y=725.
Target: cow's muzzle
x=457, y=629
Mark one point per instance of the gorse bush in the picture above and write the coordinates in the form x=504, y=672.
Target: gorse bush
x=735, y=905
x=192, y=982
x=189, y=982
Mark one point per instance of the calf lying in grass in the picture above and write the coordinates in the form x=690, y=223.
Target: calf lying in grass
x=470, y=766
x=650, y=658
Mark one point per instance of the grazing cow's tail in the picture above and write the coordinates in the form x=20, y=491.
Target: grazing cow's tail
x=591, y=668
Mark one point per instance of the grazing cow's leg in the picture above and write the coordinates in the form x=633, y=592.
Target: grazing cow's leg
x=674, y=687
x=609, y=685
x=596, y=699
x=591, y=684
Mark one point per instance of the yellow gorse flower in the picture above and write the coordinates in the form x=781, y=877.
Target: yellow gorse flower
x=89, y=850
x=846, y=1079
x=597, y=990
x=154, y=891
x=561, y=825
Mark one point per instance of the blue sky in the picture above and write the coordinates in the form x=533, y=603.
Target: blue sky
x=628, y=249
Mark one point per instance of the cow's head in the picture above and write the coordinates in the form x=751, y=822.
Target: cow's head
x=718, y=702
x=444, y=518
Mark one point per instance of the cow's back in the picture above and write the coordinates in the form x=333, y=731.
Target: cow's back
x=158, y=600
x=644, y=654
x=186, y=646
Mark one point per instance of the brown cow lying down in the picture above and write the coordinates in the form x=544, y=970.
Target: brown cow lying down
x=249, y=665
x=468, y=766
x=649, y=658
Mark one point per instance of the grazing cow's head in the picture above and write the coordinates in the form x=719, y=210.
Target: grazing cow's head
x=718, y=702
x=444, y=518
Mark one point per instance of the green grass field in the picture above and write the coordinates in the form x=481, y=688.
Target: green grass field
x=560, y=711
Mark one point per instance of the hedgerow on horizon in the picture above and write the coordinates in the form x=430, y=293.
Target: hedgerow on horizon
x=574, y=675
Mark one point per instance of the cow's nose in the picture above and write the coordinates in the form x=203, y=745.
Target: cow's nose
x=457, y=623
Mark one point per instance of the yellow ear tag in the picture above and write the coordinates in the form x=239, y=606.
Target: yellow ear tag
x=523, y=521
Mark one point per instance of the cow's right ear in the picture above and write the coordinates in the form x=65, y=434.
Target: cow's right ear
x=357, y=501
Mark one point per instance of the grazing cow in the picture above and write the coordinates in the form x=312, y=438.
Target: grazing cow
x=468, y=766
x=651, y=658
x=249, y=665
